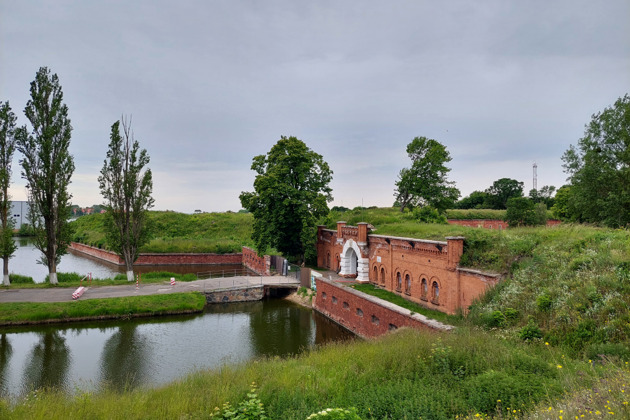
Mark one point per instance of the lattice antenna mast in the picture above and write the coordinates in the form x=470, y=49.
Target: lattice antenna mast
x=535, y=183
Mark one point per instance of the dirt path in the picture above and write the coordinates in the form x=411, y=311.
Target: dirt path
x=64, y=294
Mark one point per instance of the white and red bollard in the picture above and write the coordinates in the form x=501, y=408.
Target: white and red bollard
x=172, y=281
x=78, y=293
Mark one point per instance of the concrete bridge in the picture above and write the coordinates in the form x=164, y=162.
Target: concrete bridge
x=207, y=286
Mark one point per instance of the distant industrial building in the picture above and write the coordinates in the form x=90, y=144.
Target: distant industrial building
x=19, y=213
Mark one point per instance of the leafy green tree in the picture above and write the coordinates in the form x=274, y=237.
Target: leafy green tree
x=425, y=183
x=47, y=167
x=543, y=195
x=599, y=168
x=126, y=186
x=560, y=209
x=7, y=148
x=502, y=190
x=476, y=200
x=291, y=193
x=520, y=212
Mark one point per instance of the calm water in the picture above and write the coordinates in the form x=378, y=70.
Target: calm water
x=24, y=262
x=151, y=352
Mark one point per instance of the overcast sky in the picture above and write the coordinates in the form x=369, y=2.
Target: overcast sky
x=210, y=84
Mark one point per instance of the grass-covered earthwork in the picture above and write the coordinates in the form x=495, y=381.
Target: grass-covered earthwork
x=124, y=307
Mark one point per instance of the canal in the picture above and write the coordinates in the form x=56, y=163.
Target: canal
x=124, y=355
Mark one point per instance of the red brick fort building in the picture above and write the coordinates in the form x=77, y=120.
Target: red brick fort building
x=422, y=271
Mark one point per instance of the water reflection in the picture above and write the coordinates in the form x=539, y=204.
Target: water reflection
x=284, y=331
x=48, y=362
x=128, y=354
x=6, y=350
x=24, y=262
x=124, y=359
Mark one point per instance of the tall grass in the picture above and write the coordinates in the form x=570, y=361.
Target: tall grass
x=407, y=374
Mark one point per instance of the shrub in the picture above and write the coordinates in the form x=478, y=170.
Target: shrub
x=428, y=214
x=511, y=314
x=544, y=302
x=19, y=279
x=65, y=277
x=249, y=409
x=336, y=414
x=530, y=331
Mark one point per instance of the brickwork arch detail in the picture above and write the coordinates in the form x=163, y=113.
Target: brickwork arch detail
x=435, y=295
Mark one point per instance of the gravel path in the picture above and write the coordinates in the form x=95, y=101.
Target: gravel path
x=64, y=294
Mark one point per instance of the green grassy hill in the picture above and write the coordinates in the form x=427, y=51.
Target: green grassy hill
x=551, y=341
x=179, y=232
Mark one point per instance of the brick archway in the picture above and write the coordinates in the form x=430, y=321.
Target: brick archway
x=353, y=263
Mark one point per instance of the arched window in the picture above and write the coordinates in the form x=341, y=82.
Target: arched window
x=436, y=293
x=398, y=281
x=382, y=275
x=328, y=260
x=375, y=277
x=407, y=284
x=425, y=289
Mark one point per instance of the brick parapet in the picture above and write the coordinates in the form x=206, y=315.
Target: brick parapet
x=365, y=315
x=160, y=259
x=259, y=265
x=491, y=223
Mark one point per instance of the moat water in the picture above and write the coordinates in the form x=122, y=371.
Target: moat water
x=24, y=262
x=78, y=357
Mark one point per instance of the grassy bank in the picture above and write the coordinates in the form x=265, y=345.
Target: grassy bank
x=408, y=374
x=75, y=280
x=178, y=232
x=370, y=289
x=29, y=312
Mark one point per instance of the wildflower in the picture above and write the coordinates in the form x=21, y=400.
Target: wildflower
x=559, y=366
x=546, y=344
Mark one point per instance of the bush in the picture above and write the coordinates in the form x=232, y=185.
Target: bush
x=544, y=302
x=336, y=414
x=19, y=279
x=428, y=214
x=530, y=331
x=249, y=409
x=65, y=277
x=26, y=230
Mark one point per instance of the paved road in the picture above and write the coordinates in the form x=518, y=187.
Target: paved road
x=63, y=294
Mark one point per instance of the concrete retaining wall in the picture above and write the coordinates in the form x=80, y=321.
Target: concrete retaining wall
x=241, y=294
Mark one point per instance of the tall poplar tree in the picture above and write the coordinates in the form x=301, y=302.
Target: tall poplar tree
x=7, y=148
x=47, y=167
x=126, y=187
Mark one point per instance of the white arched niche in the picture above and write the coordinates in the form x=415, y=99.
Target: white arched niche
x=352, y=262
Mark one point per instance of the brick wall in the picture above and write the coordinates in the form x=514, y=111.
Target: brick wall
x=490, y=224
x=429, y=270
x=365, y=315
x=160, y=259
x=259, y=265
